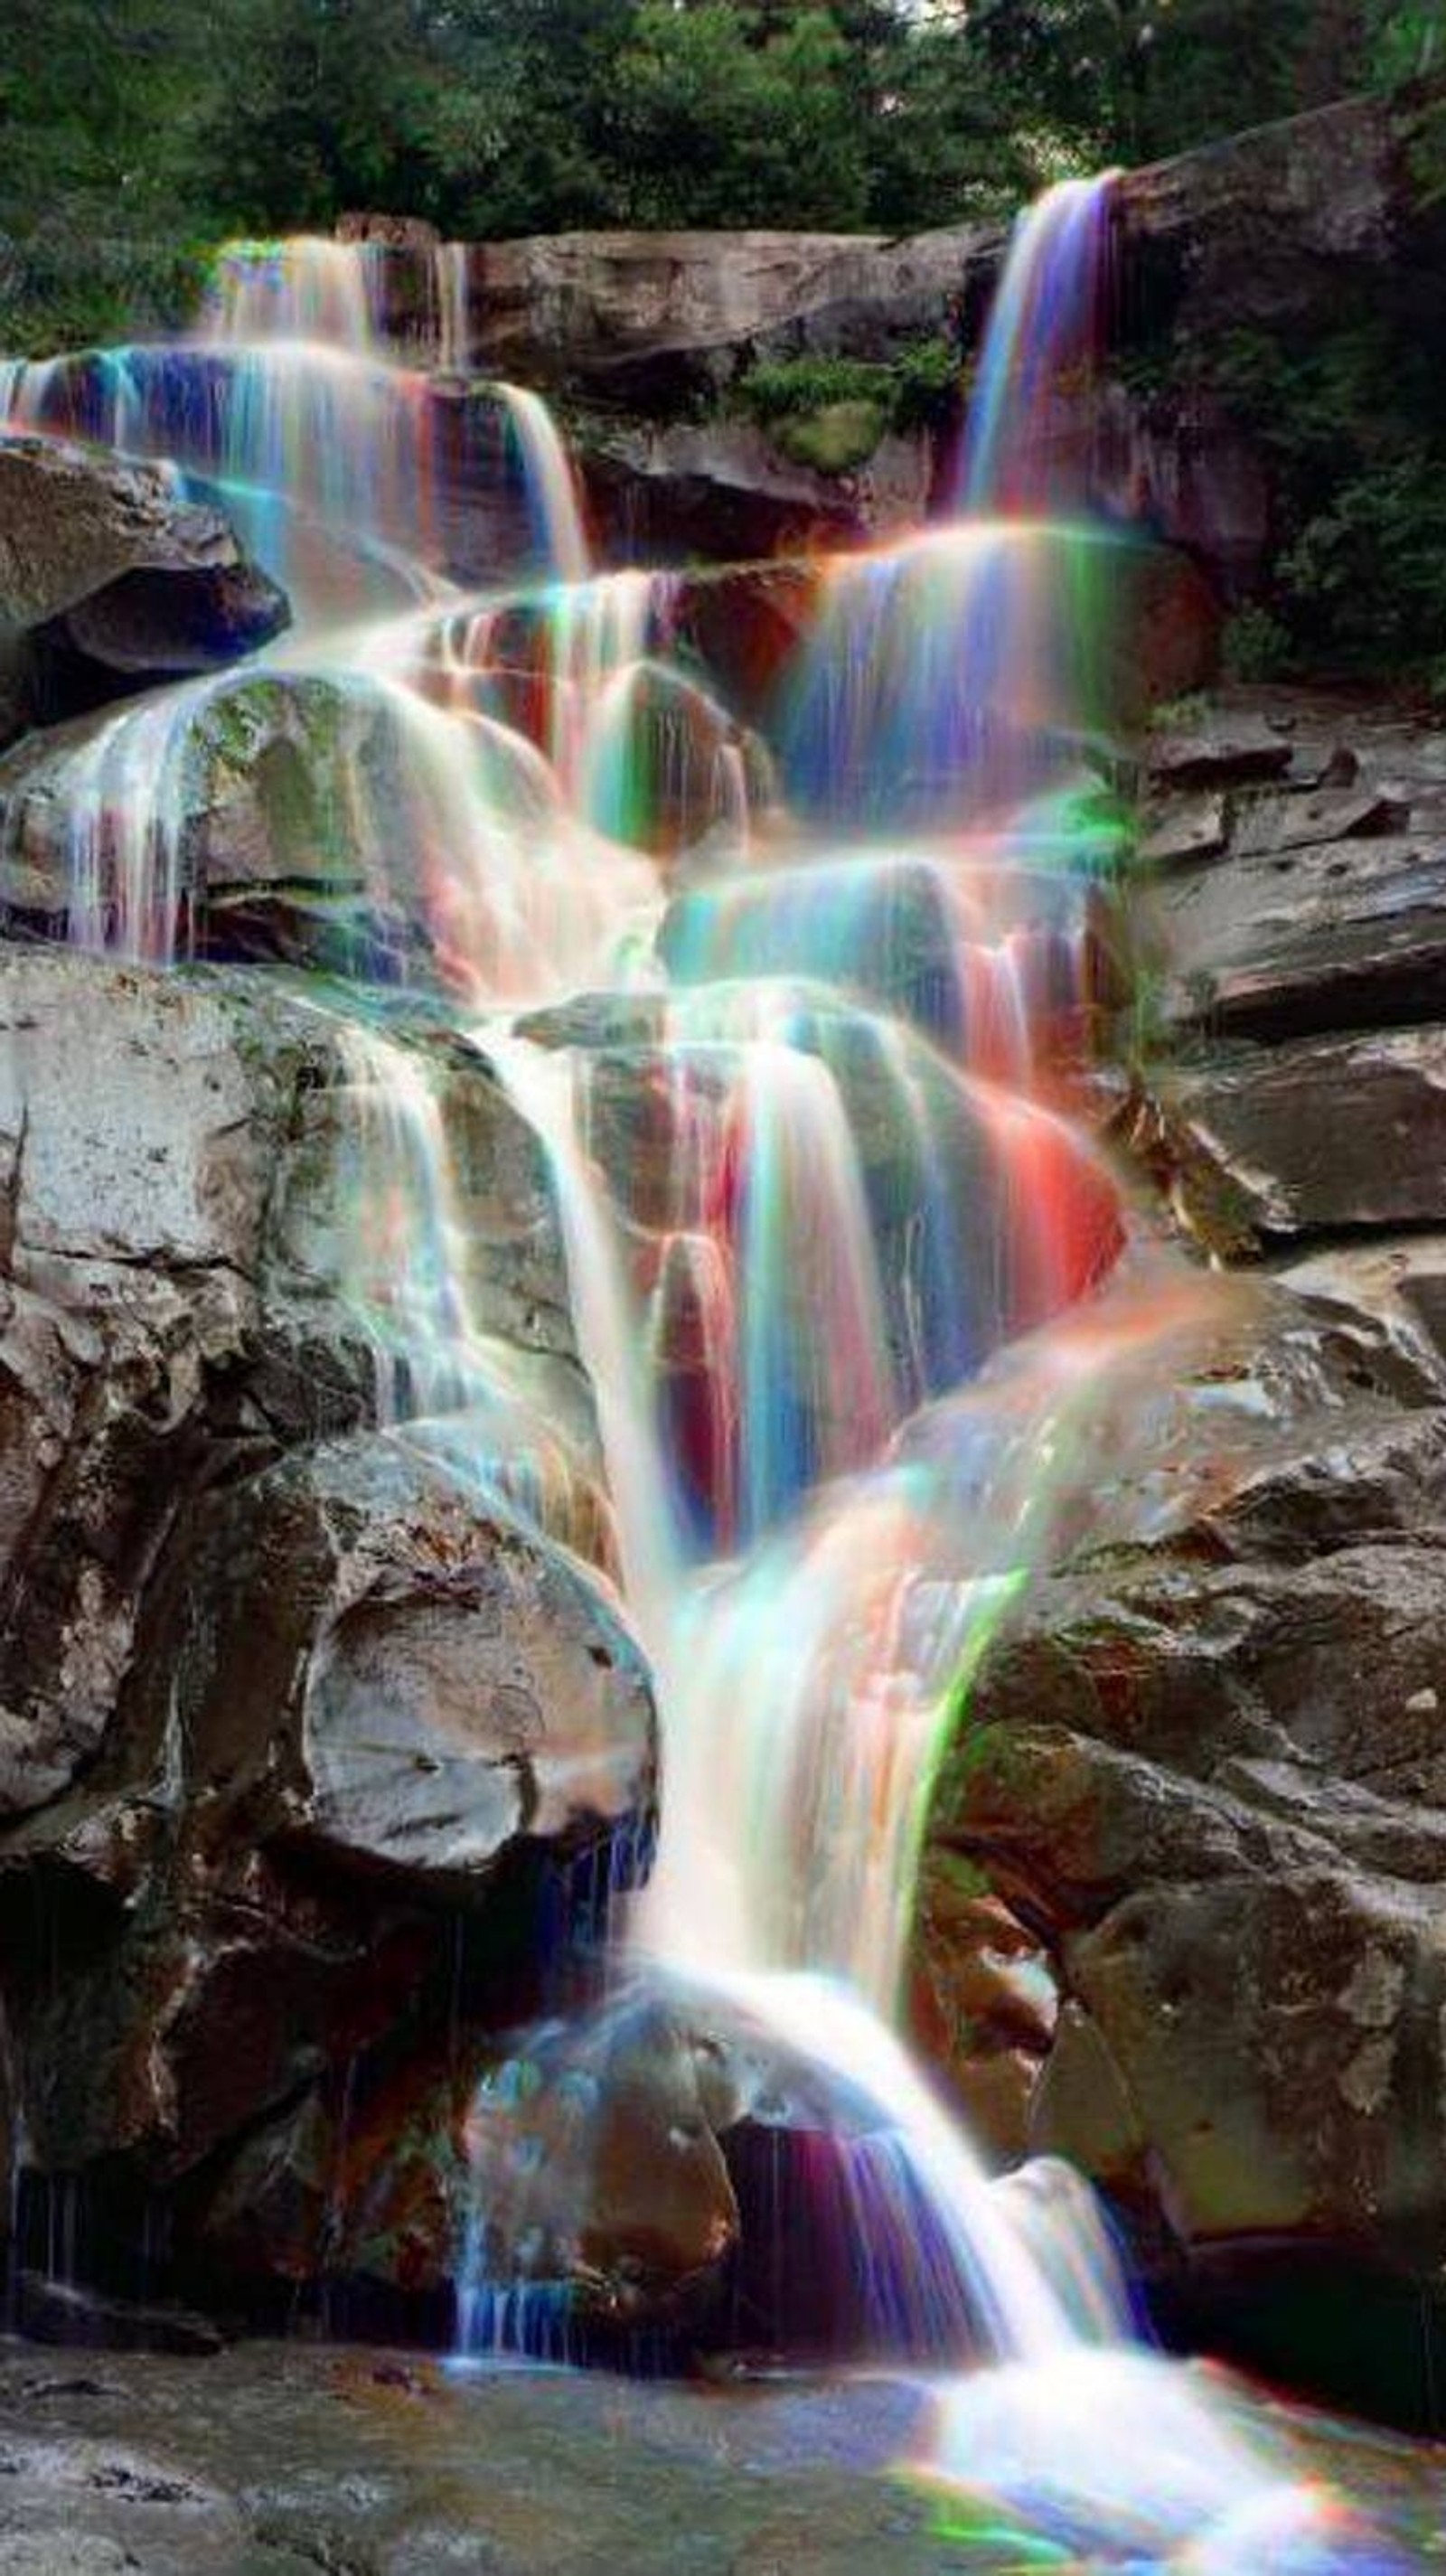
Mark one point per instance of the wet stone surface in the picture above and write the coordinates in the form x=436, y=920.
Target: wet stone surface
x=274, y=2459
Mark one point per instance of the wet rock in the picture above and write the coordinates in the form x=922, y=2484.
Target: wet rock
x=1308, y=937
x=596, y=2163
x=684, y=772
x=109, y=581
x=1318, y=1135
x=267, y=2217
x=204, y=1908
x=143, y=1275
x=660, y=1116
x=889, y=930
x=1190, y=827
x=140, y=632
x=280, y=808
x=58, y=2312
x=1269, y=2039
x=372, y=1667
x=1238, y=754
x=984, y=2003
x=1398, y=1284
x=1267, y=825
x=1207, y=1760
x=725, y=492
x=87, y=2507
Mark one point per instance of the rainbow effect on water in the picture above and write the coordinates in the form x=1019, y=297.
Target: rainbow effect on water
x=790, y=995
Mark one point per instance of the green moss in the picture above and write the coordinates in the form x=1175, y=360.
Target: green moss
x=835, y=440
x=1181, y=715
x=958, y=1875
x=787, y=388
x=1256, y=645
x=831, y=413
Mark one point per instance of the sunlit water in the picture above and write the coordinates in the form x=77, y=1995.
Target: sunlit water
x=840, y=1270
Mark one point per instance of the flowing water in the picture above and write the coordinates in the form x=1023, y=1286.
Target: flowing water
x=787, y=1021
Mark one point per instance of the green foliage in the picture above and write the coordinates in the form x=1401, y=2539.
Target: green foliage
x=155, y=118
x=835, y=440
x=1406, y=39
x=1256, y=645
x=783, y=388
x=60, y=291
x=831, y=413
x=1181, y=715
x=1371, y=564
x=1353, y=427
x=1136, y=79
x=926, y=383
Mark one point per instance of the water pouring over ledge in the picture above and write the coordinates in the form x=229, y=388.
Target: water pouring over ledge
x=817, y=1588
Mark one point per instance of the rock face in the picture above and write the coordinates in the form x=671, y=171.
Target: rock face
x=1208, y=1765
x=645, y=315
x=109, y=583
x=1295, y=910
x=724, y=491
x=292, y=1723
x=275, y=805
x=1204, y=1775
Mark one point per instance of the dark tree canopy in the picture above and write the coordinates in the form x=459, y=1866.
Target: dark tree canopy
x=505, y=116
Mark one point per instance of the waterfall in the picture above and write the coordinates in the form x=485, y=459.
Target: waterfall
x=840, y=1272
x=1042, y=333
x=336, y=449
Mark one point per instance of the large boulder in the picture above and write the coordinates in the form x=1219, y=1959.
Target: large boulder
x=649, y=316
x=1206, y=1766
x=1178, y=1920
x=269, y=810
x=383, y=1675
x=722, y=491
x=1314, y=1137
x=1294, y=918
x=286, y=1700
x=109, y=582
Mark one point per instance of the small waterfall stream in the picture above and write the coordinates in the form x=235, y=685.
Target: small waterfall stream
x=839, y=1267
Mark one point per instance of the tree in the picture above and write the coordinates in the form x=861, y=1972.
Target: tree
x=318, y=105
x=725, y=115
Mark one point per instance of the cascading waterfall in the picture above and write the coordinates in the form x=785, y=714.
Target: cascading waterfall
x=837, y=1261
x=1042, y=337
x=333, y=446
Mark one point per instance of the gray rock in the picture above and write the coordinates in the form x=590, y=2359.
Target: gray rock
x=1187, y=827
x=1233, y=753
x=1398, y=1283
x=1307, y=937
x=272, y=1710
x=280, y=814
x=373, y=1667
x=1265, y=825
x=1210, y=1755
x=77, y=2505
x=108, y=580
x=1319, y=1135
x=57, y=2312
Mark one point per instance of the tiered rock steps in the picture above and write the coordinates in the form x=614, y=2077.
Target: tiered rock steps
x=1208, y=1770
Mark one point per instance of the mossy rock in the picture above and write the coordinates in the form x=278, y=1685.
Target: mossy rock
x=834, y=440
